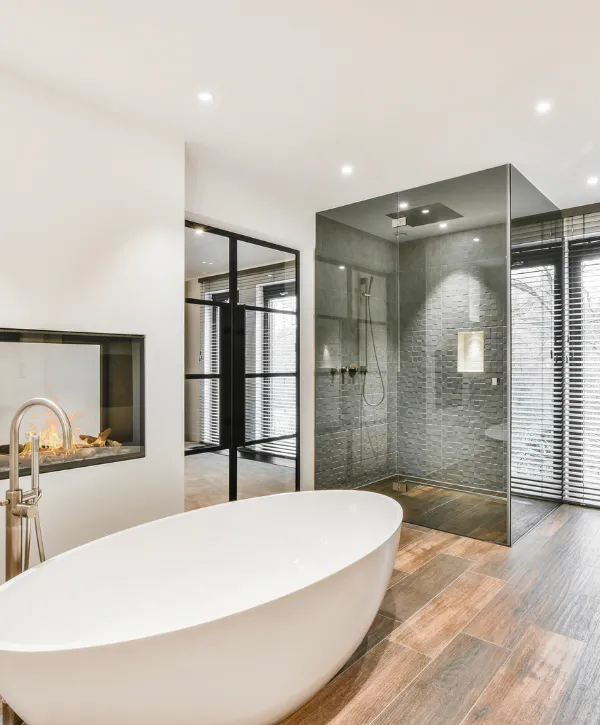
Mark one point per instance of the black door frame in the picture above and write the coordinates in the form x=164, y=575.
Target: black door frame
x=232, y=373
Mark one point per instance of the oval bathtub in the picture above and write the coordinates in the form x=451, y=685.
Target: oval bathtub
x=231, y=615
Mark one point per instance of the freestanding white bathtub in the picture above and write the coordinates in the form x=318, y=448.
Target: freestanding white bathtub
x=231, y=615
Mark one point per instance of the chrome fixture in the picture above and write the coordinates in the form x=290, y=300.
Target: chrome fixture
x=366, y=283
x=22, y=506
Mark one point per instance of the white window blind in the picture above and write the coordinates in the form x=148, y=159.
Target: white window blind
x=537, y=373
x=582, y=481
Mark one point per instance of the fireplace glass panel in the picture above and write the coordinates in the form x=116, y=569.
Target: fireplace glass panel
x=97, y=379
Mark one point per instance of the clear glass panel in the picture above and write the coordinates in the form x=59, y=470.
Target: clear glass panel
x=202, y=338
x=206, y=479
x=536, y=452
x=206, y=265
x=207, y=283
x=271, y=412
x=411, y=340
x=201, y=413
x=267, y=287
x=271, y=339
x=264, y=274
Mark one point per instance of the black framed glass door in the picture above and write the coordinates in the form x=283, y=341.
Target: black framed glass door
x=242, y=367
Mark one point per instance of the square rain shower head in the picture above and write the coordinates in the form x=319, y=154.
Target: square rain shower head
x=416, y=218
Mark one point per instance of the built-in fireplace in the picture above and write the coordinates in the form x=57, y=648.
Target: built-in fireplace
x=97, y=379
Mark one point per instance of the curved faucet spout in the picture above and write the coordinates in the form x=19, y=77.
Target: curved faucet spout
x=16, y=510
x=14, y=434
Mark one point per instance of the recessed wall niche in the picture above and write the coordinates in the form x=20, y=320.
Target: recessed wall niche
x=97, y=379
x=470, y=352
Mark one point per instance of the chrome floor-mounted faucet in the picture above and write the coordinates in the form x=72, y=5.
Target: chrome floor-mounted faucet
x=22, y=506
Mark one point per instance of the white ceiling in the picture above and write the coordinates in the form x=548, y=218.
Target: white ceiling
x=407, y=92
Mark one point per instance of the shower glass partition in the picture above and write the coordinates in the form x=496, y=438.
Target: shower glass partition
x=537, y=355
x=412, y=352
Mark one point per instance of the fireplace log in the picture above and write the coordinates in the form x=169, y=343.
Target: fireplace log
x=5, y=450
x=102, y=438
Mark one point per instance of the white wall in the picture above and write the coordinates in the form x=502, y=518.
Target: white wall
x=91, y=239
x=222, y=196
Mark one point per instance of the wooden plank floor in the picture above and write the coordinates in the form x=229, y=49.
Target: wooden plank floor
x=472, y=632
x=464, y=513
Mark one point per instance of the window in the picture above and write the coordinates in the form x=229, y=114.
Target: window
x=583, y=423
x=537, y=373
x=278, y=408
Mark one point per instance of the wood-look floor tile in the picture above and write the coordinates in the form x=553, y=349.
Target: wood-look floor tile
x=486, y=521
x=508, y=616
x=358, y=695
x=444, y=692
x=420, y=587
x=431, y=629
x=573, y=609
x=552, y=569
x=381, y=627
x=505, y=562
x=527, y=513
x=422, y=550
x=580, y=705
x=416, y=527
x=397, y=575
x=531, y=684
x=556, y=520
x=473, y=549
x=408, y=535
x=438, y=516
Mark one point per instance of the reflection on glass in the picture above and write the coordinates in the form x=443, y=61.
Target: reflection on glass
x=267, y=289
x=424, y=419
x=537, y=359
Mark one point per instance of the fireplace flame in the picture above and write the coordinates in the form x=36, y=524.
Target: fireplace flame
x=51, y=442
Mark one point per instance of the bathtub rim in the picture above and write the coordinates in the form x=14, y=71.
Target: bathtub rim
x=7, y=647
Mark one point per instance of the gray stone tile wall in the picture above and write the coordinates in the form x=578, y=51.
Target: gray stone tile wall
x=356, y=443
x=447, y=418
x=435, y=422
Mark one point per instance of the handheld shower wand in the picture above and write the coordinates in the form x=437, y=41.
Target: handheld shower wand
x=366, y=283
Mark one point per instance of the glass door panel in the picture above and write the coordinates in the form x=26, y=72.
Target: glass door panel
x=207, y=368
x=267, y=433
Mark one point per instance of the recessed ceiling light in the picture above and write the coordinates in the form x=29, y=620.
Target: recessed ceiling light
x=443, y=225
x=347, y=169
x=204, y=262
x=592, y=181
x=403, y=205
x=342, y=266
x=199, y=232
x=475, y=239
x=210, y=262
x=205, y=97
x=543, y=107
x=424, y=211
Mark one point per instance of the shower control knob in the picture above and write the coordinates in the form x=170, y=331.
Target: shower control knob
x=26, y=510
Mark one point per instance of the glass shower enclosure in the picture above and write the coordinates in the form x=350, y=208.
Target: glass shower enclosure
x=413, y=352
